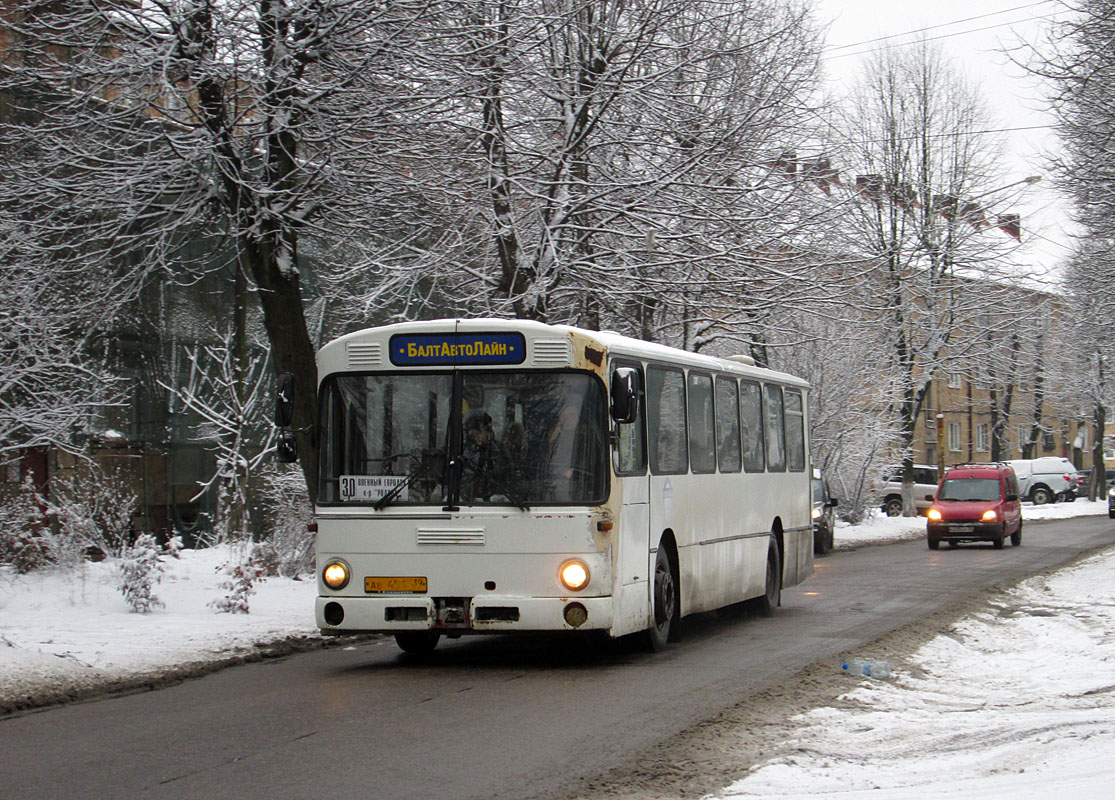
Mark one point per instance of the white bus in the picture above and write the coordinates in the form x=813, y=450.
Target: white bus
x=489, y=475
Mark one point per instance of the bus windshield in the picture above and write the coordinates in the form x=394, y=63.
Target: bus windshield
x=501, y=438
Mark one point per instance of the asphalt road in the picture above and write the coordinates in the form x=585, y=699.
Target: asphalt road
x=488, y=717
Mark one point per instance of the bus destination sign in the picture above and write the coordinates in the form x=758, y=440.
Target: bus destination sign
x=457, y=349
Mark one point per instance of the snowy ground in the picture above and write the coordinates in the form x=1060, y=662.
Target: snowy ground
x=1015, y=701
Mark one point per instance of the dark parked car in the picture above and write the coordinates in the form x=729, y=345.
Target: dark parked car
x=823, y=517
x=1084, y=477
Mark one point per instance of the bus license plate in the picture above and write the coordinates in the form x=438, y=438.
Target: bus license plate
x=394, y=585
x=963, y=528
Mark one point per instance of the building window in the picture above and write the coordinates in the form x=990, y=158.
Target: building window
x=955, y=381
x=983, y=438
x=954, y=437
x=1047, y=442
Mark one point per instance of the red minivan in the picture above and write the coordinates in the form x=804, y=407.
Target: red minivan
x=976, y=503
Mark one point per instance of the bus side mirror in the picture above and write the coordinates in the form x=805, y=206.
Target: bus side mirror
x=284, y=400
x=625, y=401
x=286, y=449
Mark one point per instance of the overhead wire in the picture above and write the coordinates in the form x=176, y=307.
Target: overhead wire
x=938, y=25
x=827, y=52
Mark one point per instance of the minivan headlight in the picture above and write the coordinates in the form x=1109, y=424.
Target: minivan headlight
x=989, y=515
x=934, y=514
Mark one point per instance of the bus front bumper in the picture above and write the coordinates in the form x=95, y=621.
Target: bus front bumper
x=339, y=615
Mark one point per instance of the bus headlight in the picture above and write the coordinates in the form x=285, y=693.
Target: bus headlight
x=816, y=512
x=574, y=575
x=934, y=515
x=336, y=574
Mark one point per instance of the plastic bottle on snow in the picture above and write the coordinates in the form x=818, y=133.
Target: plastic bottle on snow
x=868, y=667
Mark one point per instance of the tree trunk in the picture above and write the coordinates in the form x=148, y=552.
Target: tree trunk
x=1097, y=487
x=280, y=296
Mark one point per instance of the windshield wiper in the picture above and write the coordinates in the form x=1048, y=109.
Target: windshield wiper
x=511, y=495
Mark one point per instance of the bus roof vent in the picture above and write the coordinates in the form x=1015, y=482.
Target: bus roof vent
x=552, y=352
x=741, y=359
x=364, y=355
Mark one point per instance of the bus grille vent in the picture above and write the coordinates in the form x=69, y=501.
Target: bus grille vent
x=364, y=354
x=552, y=352
x=471, y=536
x=497, y=614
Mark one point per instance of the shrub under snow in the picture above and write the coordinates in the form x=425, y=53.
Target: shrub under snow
x=141, y=567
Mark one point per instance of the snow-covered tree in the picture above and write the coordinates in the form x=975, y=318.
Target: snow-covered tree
x=141, y=567
x=851, y=431
x=241, y=575
x=90, y=510
x=22, y=523
x=626, y=153
x=917, y=133
x=1078, y=62
x=51, y=379
x=228, y=389
x=161, y=139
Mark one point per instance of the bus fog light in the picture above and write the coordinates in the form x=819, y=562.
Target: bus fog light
x=576, y=615
x=334, y=614
x=574, y=575
x=336, y=574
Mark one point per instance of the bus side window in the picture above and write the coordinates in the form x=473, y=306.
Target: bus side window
x=795, y=431
x=727, y=424
x=631, y=449
x=666, y=430
x=702, y=447
x=751, y=426
x=775, y=427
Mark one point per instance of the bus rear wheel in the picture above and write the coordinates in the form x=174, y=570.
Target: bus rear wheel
x=665, y=599
x=417, y=641
x=772, y=596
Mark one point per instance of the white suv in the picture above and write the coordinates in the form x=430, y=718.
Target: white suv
x=889, y=494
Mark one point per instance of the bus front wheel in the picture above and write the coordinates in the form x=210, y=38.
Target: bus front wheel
x=417, y=641
x=665, y=599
